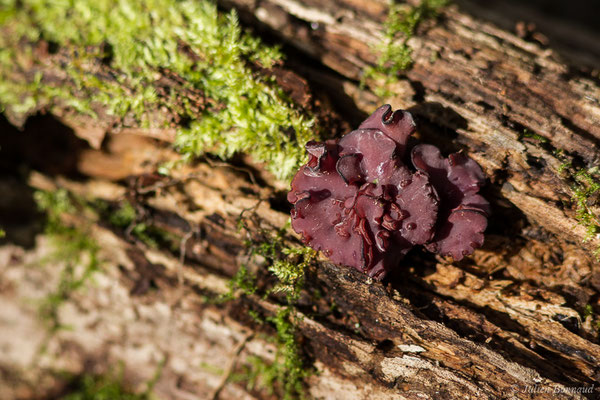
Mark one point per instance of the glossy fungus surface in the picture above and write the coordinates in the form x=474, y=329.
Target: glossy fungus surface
x=358, y=202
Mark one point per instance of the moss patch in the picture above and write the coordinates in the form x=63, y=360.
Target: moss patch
x=394, y=53
x=288, y=265
x=526, y=134
x=117, y=55
x=110, y=386
x=124, y=216
x=585, y=197
x=73, y=247
x=288, y=371
x=243, y=281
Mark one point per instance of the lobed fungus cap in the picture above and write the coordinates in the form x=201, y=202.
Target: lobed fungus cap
x=362, y=206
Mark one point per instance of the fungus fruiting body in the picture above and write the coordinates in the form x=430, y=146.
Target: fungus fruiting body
x=360, y=202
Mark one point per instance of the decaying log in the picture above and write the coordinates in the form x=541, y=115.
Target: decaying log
x=509, y=322
x=515, y=106
x=495, y=341
x=485, y=86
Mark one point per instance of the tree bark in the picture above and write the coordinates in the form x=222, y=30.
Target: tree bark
x=512, y=321
x=471, y=81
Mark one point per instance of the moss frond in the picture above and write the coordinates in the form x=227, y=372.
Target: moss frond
x=288, y=264
x=394, y=53
x=73, y=247
x=110, y=386
x=585, y=197
x=235, y=110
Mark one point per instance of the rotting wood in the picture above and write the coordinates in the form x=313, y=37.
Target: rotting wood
x=485, y=85
x=512, y=334
x=473, y=87
x=492, y=326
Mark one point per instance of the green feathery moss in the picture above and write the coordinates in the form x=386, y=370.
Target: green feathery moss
x=72, y=246
x=288, y=371
x=139, y=41
x=110, y=386
x=395, y=55
x=289, y=364
x=586, y=193
x=124, y=216
x=288, y=264
x=585, y=189
x=91, y=387
x=244, y=281
x=526, y=134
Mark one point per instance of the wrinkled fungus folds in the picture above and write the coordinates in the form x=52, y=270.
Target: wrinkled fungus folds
x=362, y=206
x=463, y=212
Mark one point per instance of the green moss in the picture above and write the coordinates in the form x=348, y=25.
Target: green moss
x=243, y=281
x=54, y=204
x=286, y=374
x=333, y=307
x=124, y=216
x=394, y=53
x=586, y=192
x=70, y=242
x=74, y=248
x=288, y=265
x=109, y=386
x=585, y=189
x=290, y=269
x=564, y=167
x=256, y=317
x=210, y=368
x=118, y=50
x=588, y=311
x=289, y=364
x=532, y=135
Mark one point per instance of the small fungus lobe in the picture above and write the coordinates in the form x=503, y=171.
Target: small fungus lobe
x=361, y=202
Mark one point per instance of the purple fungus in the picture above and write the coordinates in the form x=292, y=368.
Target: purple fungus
x=397, y=125
x=358, y=203
x=463, y=213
